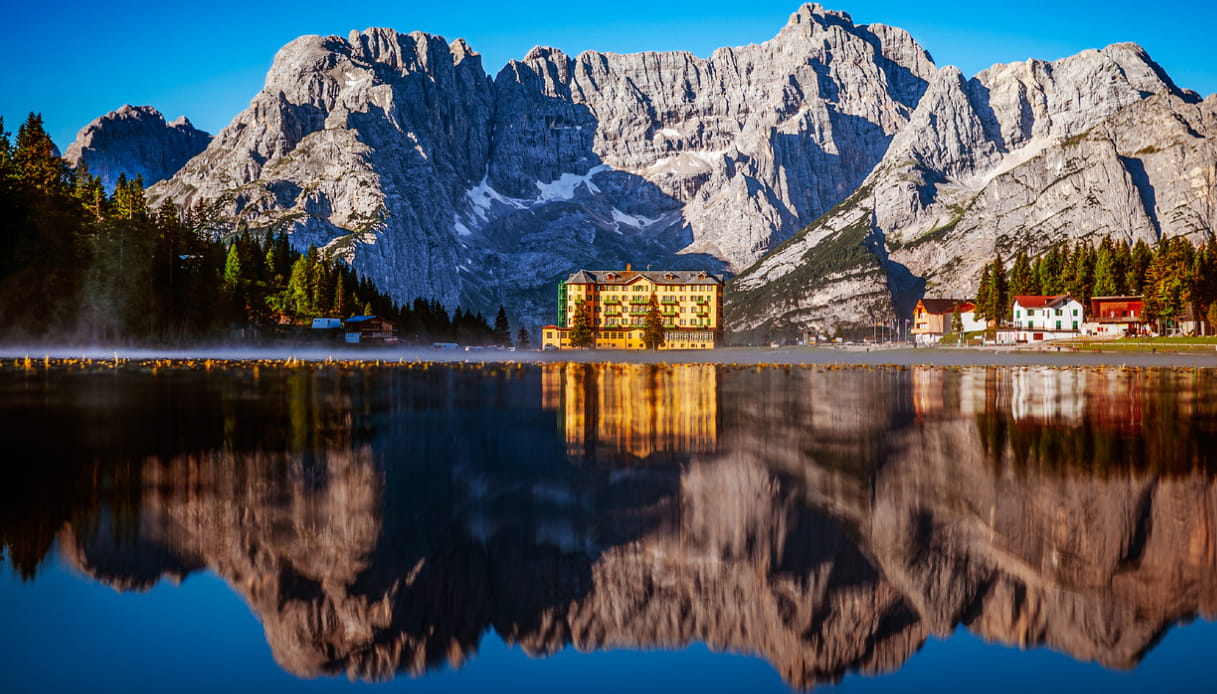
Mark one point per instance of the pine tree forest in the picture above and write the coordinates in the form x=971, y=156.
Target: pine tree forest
x=78, y=264
x=1176, y=278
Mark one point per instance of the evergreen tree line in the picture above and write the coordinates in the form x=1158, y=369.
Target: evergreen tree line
x=79, y=263
x=1176, y=278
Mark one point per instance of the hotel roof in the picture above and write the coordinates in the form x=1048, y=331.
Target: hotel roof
x=623, y=277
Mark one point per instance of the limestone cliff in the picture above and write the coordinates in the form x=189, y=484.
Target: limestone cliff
x=135, y=141
x=1019, y=157
x=397, y=153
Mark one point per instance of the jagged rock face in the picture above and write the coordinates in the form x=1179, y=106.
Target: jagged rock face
x=753, y=140
x=822, y=535
x=136, y=141
x=1019, y=157
x=397, y=153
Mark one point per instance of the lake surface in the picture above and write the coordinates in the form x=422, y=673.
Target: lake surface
x=210, y=525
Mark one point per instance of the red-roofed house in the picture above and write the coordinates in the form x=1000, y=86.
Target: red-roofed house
x=1039, y=318
x=1117, y=315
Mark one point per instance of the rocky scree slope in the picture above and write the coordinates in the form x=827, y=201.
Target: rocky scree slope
x=135, y=141
x=397, y=153
x=1021, y=156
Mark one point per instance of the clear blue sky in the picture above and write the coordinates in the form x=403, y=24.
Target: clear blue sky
x=74, y=61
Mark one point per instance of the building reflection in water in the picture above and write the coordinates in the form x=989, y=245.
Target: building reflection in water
x=829, y=521
x=623, y=412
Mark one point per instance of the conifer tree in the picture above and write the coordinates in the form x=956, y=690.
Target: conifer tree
x=341, y=304
x=1080, y=284
x=299, y=296
x=581, y=334
x=524, y=340
x=1166, y=288
x=1000, y=297
x=652, y=331
x=502, y=330
x=1120, y=265
x=1105, y=269
x=1021, y=277
x=42, y=253
x=984, y=292
x=1052, y=270
x=1139, y=260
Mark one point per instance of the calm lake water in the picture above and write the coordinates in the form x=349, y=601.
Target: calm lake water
x=606, y=528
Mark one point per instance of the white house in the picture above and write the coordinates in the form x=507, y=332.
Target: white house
x=1039, y=318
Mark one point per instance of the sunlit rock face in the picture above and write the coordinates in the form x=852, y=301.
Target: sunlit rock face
x=1019, y=157
x=135, y=141
x=834, y=521
x=397, y=153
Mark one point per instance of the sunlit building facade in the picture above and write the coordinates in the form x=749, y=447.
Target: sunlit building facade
x=690, y=304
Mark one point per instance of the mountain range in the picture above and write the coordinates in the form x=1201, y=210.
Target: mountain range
x=835, y=168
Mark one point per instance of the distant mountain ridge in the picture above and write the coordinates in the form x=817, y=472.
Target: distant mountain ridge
x=136, y=141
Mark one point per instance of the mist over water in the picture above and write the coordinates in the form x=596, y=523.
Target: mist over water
x=467, y=524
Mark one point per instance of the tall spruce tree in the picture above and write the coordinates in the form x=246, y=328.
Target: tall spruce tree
x=1105, y=269
x=502, y=330
x=581, y=333
x=1139, y=260
x=1000, y=296
x=652, y=331
x=1166, y=287
x=1121, y=261
x=984, y=292
x=1021, y=281
x=1080, y=284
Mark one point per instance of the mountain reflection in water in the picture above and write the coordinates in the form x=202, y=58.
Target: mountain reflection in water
x=828, y=520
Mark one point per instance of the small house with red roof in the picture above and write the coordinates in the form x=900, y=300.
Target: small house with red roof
x=1039, y=318
x=1117, y=316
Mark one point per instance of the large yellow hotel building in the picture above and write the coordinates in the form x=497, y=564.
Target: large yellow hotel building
x=691, y=303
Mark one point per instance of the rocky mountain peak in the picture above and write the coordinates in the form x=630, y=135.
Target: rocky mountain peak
x=135, y=141
x=815, y=13
x=1019, y=157
x=397, y=153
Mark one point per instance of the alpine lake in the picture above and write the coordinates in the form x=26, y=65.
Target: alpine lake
x=210, y=525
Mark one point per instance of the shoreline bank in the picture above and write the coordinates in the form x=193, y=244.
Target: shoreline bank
x=782, y=356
